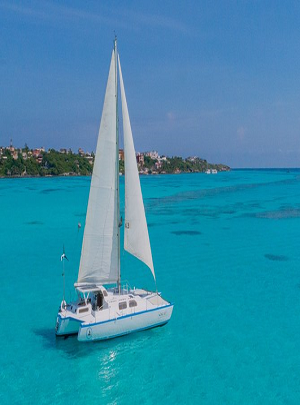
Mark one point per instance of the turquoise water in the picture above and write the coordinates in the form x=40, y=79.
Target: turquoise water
x=226, y=252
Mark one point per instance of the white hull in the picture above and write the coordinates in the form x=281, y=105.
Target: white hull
x=125, y=324
x=115, y=317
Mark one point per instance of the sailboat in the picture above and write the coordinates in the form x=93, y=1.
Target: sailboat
x=104, y=308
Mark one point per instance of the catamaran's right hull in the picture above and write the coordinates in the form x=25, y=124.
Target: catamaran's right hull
x=126, y=324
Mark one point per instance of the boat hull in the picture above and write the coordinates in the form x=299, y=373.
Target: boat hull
x=66, y=326
x=124, y=325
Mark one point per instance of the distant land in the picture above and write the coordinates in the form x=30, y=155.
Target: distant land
x=26, y=162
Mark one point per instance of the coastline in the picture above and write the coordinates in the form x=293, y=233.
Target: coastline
x=288, y=169
x=90, y=175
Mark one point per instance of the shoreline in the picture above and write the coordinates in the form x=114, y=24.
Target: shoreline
x=90, y=175
x=153, y=174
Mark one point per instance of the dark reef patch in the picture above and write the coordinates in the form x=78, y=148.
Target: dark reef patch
x=277, y=258
x=191, y=233
x=283, y=213
x=34, y=223
x=50, y=190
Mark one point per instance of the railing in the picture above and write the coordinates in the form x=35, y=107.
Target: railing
x=126, y=287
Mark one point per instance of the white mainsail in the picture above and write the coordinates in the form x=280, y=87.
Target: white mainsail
x=136, y=237
x=99, y=261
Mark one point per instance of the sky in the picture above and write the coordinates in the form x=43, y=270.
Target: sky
x=216, y=79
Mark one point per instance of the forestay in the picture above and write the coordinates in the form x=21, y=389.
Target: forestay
x=136, y=237
x=99, y=261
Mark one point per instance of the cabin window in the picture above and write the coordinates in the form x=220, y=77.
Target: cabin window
x=132, y=303
x=104, y=293
x=123, y=305
x=83, y=310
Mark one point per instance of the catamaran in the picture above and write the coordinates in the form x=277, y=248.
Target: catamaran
x=104, y=308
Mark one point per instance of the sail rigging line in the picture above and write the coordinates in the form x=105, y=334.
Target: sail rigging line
x=117, y=166
x=62, y=259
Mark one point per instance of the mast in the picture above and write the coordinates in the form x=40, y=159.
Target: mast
x=117, y=166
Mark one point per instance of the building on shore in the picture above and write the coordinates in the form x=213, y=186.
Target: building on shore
x=152, y=154
x=140, y=158
x=121, y=155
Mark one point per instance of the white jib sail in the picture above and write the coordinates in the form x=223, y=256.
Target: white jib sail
x=99, y=261
x=136, y=237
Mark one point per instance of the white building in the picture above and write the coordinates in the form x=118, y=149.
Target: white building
x=152, y=154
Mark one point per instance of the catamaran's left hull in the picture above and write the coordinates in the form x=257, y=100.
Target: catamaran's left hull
x=125, y=324
x=66, y=326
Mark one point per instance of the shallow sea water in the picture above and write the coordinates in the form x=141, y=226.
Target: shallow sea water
x=226, y=252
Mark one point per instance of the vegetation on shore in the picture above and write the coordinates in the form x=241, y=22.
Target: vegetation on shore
x=51, y=163
x=177, y=164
